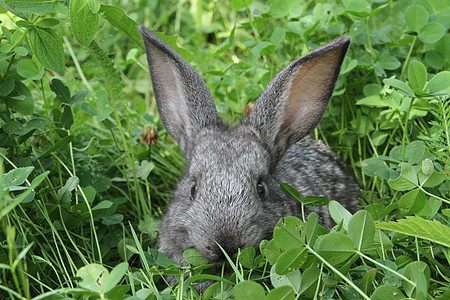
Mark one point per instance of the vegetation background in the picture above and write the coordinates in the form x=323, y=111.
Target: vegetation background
x=87, y=167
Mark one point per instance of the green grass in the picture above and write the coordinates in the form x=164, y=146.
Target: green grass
x=83, y=189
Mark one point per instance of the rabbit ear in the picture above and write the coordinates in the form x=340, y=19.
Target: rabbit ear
x=184, y=102
x=293, y=103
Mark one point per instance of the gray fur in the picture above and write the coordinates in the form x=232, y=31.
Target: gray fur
x=226, y=163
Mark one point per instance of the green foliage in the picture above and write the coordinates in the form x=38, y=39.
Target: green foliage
x=47, y=48
x=194, y=257
x=416, y=226
x=96, y=278
x=87, y=167
x=84, y=20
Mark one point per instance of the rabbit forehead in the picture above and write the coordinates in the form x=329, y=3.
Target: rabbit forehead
x=232, y=151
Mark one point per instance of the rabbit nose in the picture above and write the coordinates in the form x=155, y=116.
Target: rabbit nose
x=228, y=243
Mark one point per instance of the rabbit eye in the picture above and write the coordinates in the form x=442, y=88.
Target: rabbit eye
x=260, y=189
x=194, y=189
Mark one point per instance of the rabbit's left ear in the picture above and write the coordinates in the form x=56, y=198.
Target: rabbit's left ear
x=293, y=103
x=184, y=102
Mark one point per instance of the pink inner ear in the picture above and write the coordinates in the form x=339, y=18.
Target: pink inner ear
x=307, y=94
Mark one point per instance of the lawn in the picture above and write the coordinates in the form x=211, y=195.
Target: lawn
x=87, y=167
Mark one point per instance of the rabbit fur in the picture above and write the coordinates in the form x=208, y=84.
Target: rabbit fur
x=230, y=192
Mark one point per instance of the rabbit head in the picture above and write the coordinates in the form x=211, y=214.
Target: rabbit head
x=230, y=194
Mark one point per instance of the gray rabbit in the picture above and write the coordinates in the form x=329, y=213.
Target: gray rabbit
x=230, y=192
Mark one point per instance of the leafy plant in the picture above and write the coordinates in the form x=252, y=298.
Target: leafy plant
x=86, y=165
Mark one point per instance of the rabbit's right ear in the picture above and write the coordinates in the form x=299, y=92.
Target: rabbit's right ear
x=294, y=101
x=184, y=102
